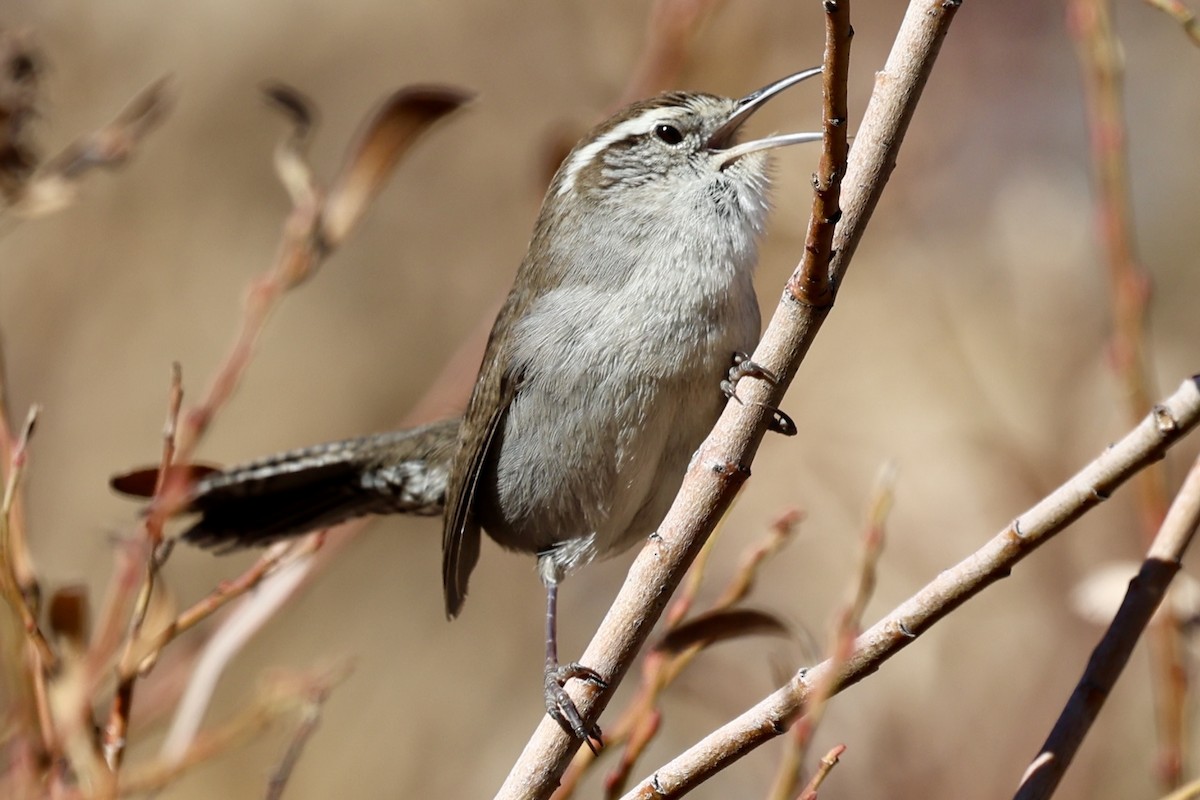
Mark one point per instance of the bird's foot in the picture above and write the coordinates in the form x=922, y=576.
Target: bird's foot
x=561, y=707
x=743, y=367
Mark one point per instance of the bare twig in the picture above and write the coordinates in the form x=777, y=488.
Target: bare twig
x=810, y=283
x=846, y=626
x=641, y=719
x=118, y=717
x=1108, y=660
x=318, y=223
x=20, y=562
x=280, y=697
x=1179, y=12
x=228, y=641
x=56, y=185
x=1101, y=63
x=721, y=465
x=1189, y=792
x=1145, y=444
x=828, y=762
x=17, y=599
x=310, y=717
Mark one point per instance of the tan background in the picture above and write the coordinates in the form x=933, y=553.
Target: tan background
x=968, y=345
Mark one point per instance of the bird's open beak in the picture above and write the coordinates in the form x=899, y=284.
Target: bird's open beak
x=719, y=141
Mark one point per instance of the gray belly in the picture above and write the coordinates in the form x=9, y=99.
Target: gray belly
x=588, y=463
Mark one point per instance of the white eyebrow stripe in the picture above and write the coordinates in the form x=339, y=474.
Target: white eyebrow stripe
x=642, y=123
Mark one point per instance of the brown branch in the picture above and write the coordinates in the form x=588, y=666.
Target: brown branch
x=845, y=628
x=310, y=717
x=641, y=719
x=1179, y=12
x=318, y=223
x=56, y=185
x=810, y=283
x=115, y=732
x=10, y=585
x=1144, y=445
x=722, y=463
x=828, y=762
x=17, y=550
x=219, y=597
x=1102, y=67
x=1145, y=594
x=282, y=696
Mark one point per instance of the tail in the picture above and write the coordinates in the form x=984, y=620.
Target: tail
x=292, y=493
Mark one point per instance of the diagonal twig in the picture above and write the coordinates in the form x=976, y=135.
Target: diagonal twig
x=1145, y=594
x=1170, y=421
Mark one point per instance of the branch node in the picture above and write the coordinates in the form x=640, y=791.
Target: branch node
x=1164, y=419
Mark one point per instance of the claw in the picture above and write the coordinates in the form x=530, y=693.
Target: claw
x=743, y=367
x=562, y=709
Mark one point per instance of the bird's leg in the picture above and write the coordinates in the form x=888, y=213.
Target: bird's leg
x=559, y=704
x=743, y=367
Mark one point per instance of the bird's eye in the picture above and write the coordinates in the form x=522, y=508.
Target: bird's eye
x=668, y=134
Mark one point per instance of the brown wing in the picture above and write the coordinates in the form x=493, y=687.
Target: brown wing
x=494, y=391
x=498, y=383
x=461, y=536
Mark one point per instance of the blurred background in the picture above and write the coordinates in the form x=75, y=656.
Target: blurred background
x=968, y=346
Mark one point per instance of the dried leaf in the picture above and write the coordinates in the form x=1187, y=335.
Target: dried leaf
x=69, y=615
x=292, y=104
x=56, y=185
x=291, y=159
x=113, y=144
x=391, y=130
x=718, y=626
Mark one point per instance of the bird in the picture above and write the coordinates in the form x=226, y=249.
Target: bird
x=601, y=377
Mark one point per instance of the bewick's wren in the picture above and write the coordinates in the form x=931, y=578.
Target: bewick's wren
x=599, y=380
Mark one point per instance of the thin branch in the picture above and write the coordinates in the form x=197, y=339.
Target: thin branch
x=310, y=717
x=1145, y=444
x=115, y=731
x=846, y=626
x=56, y=185
x=318, y=224
x=236, y=630
x=280, y=697
x=722, y=463
x=1179, y=12
x=641, y=719
x=810, y=284
x=10, y=585
x=20, y=562
x=828, y=762
x=1145, y=594
x=1102, y=67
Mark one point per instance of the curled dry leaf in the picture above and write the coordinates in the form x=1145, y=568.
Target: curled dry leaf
x=292, y=104
x=55, y=185
x=113, y=144
x=390, y=131
x=718, y=626
x=291, y=161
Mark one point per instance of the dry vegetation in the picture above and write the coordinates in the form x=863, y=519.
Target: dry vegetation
x=993, y=337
